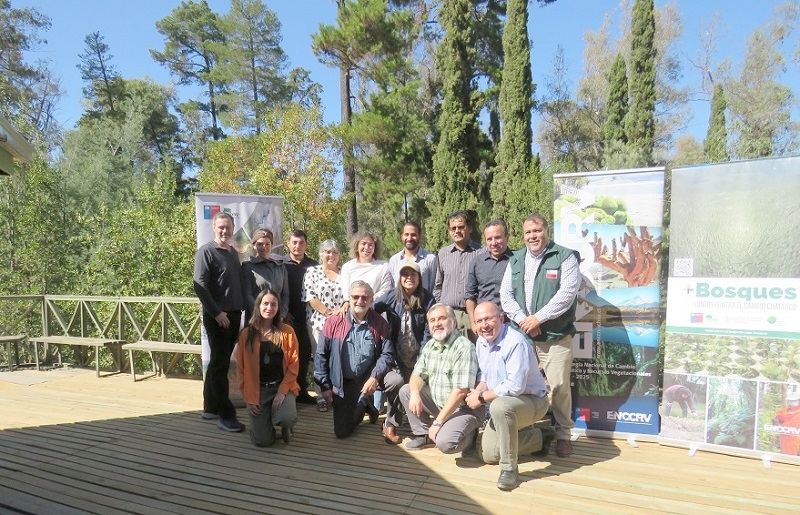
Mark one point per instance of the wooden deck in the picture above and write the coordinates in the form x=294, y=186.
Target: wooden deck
x=73, y=443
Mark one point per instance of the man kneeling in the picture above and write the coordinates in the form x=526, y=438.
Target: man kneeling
x=434, y=396
x=510, y=381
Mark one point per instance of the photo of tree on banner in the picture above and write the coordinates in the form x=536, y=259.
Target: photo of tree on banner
x=731, y=412
x=613, y=219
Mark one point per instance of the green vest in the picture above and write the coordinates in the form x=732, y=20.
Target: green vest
x=544, y=289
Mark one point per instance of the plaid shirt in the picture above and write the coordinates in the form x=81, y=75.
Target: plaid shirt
x=447, y=366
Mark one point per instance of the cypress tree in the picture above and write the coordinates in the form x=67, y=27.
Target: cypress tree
x=640, y=123
x=510, y=198
x=456, y=157
x=613, y=129
x=716, y=143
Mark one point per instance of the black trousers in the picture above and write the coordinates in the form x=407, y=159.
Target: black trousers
x=347, y=411
x=221, y=341
x=304, y=348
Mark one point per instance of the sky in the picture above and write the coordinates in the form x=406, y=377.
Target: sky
x=128, y=28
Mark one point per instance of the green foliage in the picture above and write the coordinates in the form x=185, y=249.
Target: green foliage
x=613, y=129
x=193, y=38
x=292, y=158
x=640, y=120
x=104, y=87
x=510, y=191
x=35, y=233
x=145, y=248
x=760, y=107
x=108, y=155
x=716, y=142
x=251, y=64
x=28, y=91
x=455, y=161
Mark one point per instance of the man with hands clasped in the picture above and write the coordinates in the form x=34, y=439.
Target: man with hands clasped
x=442, y=377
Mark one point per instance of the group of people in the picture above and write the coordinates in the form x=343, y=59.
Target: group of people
x=456, y=341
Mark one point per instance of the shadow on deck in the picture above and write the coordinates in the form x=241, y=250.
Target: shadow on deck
x=173, y=462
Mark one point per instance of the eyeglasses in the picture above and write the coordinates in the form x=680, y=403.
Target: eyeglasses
x=360, y=297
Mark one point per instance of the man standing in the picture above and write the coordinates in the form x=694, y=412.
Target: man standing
x=539, y=294
x=451, y=276
x=354, y=355
x=434, y=397
x=411, y=236
x=297, y=263
x=512, y=384
x=218, y=284
x=487, y=268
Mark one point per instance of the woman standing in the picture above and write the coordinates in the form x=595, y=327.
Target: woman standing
x=262, y=271
x=267, y=361
x=323, y=293
x=405, y=308
x=366, y=265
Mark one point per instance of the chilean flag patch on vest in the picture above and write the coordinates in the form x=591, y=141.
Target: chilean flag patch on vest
x=551, y=274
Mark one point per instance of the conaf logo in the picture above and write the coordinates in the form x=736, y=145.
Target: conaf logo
x=624, y=416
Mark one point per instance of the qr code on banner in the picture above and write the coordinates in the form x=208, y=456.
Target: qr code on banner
x=683, y=267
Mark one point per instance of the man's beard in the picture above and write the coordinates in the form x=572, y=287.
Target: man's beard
x=441, y=336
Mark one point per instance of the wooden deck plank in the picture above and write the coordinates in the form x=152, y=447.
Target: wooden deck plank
x=79, y=443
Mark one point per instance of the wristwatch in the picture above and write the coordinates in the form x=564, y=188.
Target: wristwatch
x=480, y=398
x=436, y=423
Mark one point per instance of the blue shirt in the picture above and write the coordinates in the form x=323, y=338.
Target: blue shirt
x=357, y=349
x=509, y=366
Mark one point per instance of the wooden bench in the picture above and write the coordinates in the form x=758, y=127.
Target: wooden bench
x=16, y=339
x=156, y=347
x=77, y=341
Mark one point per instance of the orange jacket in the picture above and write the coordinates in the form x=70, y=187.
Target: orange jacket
x=248, y=365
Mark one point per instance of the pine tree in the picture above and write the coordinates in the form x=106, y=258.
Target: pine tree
x=640, y=123
x=510, y=200
x=716, y=142
x=193, y=37
x=456, y=157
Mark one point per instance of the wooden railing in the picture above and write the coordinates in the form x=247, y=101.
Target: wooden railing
x=168, y=319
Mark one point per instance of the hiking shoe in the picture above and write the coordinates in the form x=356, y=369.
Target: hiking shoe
x=419, y=442
x=548, y=435
x=230, y=424
x=563, y=448
x=208, y=415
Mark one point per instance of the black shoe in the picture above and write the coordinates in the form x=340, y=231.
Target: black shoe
x=286, y=434
x=305, y=398
x=230, y=424
x=208, y=415
x=507, y=480
x=372, y=411
x=548, y=435
x=419, y=442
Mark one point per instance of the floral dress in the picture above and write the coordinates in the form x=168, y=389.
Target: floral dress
x=316, y=285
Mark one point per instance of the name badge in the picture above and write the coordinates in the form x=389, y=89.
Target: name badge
x=551, y=274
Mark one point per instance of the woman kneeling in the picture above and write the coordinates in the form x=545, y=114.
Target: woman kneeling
x=267, y=361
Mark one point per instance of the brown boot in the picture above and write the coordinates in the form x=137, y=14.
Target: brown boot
x=390, y=435
x=563, y=448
